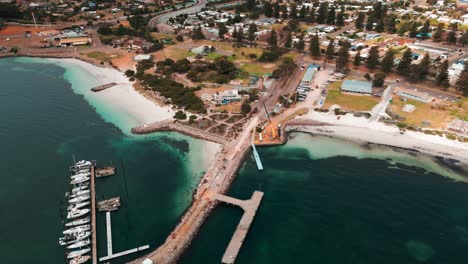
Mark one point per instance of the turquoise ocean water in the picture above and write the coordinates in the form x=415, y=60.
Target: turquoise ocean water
x=326, y=200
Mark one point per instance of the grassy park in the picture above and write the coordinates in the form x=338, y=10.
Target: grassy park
x=348, y=101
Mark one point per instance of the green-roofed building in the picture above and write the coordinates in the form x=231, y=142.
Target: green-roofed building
x=354, y=86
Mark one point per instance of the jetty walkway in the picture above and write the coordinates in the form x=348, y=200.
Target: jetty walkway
x=169, y=125
x=250, y=208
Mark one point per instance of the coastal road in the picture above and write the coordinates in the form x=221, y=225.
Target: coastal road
x=189, y=10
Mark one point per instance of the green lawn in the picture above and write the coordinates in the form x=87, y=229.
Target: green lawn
x=348, y=101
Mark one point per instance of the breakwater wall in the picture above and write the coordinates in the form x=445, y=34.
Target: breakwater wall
x=169, y=125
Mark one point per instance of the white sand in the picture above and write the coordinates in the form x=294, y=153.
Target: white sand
x=360, y=129
x=134, y=108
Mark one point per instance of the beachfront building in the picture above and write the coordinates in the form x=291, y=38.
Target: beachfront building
x=67, y=42
x=309, y=75
x=355, y=86
x=226, y=97
x=414, y=94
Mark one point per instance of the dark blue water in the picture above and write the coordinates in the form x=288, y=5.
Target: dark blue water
x=340, y=210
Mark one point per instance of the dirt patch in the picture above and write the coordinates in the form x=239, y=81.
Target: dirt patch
x=219, y=129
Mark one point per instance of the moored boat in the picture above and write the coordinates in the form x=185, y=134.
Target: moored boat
x=76, y=253
x=70, y=239
x=75, y=213
x=79, y=244
x=78, y=205
x=77, y=229
x=78, y=222
x=80, y=259
x=80, y=180
x=79, y=199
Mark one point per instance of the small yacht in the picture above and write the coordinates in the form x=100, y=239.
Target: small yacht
x=76, y=253
x=80, y=259
x=79, y=244
x=78, y=205
x=77, y=229
x=80, y=221
x=80, y=180
x=79, y=199
x=74, y=213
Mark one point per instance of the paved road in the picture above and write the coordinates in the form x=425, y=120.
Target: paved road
x=189, y=10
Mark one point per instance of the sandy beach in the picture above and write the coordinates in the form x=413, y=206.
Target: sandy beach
x=361, y=130
x=122, y=96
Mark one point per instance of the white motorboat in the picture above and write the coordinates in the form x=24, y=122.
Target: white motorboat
x=80, y=259
x=80, y=180
x=83, y=165
x=77, y=213
x=79, y=199
x=79, y=244
x=78, y=193
x=80, y=221
x=70, y=239
x=79, y=175
x=77, y=229
x=78, y=205
x=76, y=253
x=79, y=188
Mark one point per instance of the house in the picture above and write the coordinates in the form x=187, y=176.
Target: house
x=203, y=50
x=454, y=72
x=141, y=57
x=414, y=94
x=354, y=86
x=66, y=42
x=309, y=75
x=226, y=97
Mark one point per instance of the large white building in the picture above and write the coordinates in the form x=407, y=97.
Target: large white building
x=226, y=97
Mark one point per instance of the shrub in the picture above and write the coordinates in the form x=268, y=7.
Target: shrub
x=180, y=115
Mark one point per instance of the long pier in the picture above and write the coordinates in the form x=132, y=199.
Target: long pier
x=250, y=208
x=109, y=233
x=93, y=217
x=170, y=125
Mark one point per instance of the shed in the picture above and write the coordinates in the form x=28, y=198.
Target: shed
x=354, y=86
x=141, y=57
x=309, y=74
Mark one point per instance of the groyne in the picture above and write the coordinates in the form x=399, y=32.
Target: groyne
x=169, y=125
x=103, y=87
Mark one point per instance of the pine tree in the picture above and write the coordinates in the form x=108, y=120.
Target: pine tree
x=312, y=19
x=252, y=31
x=234, y=33
x=425, y=29
x=422, y=69
x=331, y=16
x=380, y=27
x=340, y=17
x=315, y=47
x=284, y=12
x=387, y=61
x=377, y=10
x=197, y=34
x=222, y=30
x=373, y=58
x=273, y=39
x=322, y=13
x=288, y=42
x=293, y=12
x=390, y=24
x=330, y=50
x=267, y=9
x=302, y=12
x=404, y=66
x=370, y=21
x=359, y=22
x=462, y=82
x=250, y=4
x=438, y=33
x=299, y=45
x=442, y=76
x=451, y=37
x=463, y=40
x=240, y=35
x=343, y=57
x=413, y=32
x=276, y=10
x=357, y=58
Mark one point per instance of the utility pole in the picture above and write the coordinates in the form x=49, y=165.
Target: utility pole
x=268, y=115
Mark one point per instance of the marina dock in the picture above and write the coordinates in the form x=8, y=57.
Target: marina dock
x=250, y=208
x=93, y=217
x=257, y=158
x=105, y=171
x=108, y=205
